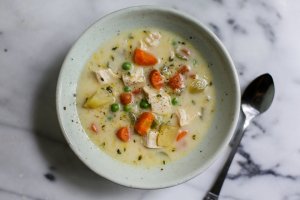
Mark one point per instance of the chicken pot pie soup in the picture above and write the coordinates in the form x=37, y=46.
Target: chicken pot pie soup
x=146, y=97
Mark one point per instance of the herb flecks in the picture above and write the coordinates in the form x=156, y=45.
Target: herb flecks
x=109, y=89
x=140, y=157
x=194, y=62
x=119, y=151
x=194, y=137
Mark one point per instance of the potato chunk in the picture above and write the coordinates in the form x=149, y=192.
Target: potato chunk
x=100, y=98
x=167, y=135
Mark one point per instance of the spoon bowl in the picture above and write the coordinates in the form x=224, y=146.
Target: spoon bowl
x=259, y=95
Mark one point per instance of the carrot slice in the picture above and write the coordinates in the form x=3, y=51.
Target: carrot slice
x=144, y=58
x=143, y=123
x=181, y=135
x=137, y=91
x=123, y=134
x=156, y=79
x=183, y=69
x=176, y=81
x=126, y=98
x=94, y=128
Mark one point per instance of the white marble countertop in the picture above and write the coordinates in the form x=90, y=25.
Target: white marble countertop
x=37, y=164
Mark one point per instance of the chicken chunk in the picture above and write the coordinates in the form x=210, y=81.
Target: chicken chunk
x=160, y=101
x=135, y=79
x=153, y=39
x=105, y=76
x=185, y=117
x=150, y=140
x=198, y=85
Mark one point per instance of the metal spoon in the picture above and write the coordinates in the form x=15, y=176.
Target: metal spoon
x=256, y=99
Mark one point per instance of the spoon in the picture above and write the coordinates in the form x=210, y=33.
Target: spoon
x=256, y=99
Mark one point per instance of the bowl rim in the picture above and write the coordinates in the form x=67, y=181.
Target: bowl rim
x=211, y=159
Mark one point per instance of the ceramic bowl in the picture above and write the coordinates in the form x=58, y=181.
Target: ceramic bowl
x=225, y=80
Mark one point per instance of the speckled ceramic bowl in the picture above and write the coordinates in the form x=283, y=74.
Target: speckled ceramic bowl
x=225, y=80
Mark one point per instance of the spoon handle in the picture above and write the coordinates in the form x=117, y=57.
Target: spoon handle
x=213, y=193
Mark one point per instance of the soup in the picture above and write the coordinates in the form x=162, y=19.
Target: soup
x=146, y=97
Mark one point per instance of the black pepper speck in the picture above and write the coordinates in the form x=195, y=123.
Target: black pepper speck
x=49, y=177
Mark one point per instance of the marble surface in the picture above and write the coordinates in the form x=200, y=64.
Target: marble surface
x=37, y=164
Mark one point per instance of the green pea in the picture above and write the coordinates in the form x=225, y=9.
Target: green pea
x=154, y=124
x=126, y=66
x=127, y=108
x=144, y=104
x=175, y=101
x=127, y=89
x=114, y=107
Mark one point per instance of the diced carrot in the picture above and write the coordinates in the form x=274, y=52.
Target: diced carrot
x=156, y=79
x=123, y=134
x=183, y=69
x=143, y=123
x=176, y=81
x=94, y=128
x=181, y=135
x=126, y=98
x=144, y=58
x=137, y=91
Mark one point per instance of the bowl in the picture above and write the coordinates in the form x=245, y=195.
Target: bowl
x=225, y=80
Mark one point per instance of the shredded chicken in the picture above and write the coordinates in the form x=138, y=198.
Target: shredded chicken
x=182, y=52
x=198, y=85
x=153, y=39
x=160, y=101
x=105, y=76
x=150, y=140
x=185, y=117
x=142, y=45
x=135, y=79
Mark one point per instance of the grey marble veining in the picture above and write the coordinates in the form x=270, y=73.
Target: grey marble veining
x=35, y=160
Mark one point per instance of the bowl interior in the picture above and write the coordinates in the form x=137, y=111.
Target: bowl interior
x=224, y=78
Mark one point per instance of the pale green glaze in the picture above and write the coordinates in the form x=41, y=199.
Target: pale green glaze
x=225, y=80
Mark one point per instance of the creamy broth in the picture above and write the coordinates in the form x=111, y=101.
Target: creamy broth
x=172, y=53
